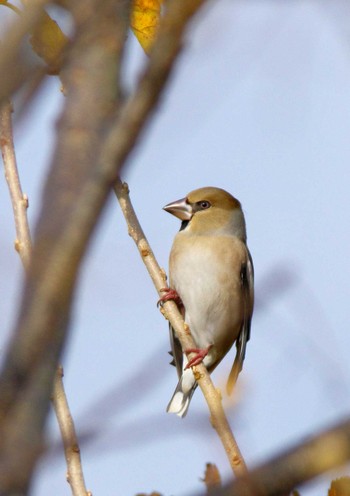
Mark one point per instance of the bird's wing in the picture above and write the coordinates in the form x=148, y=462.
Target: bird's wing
x=176, y=351
x=247, y=282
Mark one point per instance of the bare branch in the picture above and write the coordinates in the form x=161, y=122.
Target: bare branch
x=212, y=396
x=91, y=149
x=23, y=246
x=140, y=106
x=303, y=462
x=75, y=474
x=19, y=201
x=28, y=372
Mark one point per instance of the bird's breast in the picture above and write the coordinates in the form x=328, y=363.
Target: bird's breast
x=205, y=271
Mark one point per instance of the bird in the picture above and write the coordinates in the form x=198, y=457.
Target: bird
x=211, y=278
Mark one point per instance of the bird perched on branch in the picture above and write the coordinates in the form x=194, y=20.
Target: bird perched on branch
x=211, y=279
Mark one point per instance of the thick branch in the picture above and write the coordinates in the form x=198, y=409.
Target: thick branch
x=212, y=396
x=89, y=154
x=27, y=378
x=23, y=246
x=303, y=462
x=139, y=107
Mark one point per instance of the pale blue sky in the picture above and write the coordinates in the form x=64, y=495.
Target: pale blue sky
x=259, y=105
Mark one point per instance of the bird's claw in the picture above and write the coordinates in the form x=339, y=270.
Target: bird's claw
x=200, y=354
x=170, y=294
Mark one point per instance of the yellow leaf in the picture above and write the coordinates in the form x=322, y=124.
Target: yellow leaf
x=145, y=17
x=340, y=487
x=48, y=41
x=5, y=3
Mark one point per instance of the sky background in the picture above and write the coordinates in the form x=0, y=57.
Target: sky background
x=259, y=104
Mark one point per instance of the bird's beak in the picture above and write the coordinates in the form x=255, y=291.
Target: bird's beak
x=180, y=208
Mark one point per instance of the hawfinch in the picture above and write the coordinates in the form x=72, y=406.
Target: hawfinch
x=211, y=278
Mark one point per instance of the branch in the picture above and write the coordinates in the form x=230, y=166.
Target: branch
x=140, y=106
x=75, y=475
x=29, y=367
x=24, y=248
x=19, y=201
x=212, y=396
x=95, y=135
x=299, y=464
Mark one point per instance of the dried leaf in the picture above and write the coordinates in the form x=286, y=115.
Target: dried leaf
x=151, y=494
x=48, y=41
x=212, y=478
x=340, y=487
x=145, y=17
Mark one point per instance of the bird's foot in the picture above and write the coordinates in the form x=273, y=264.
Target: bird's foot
x=200, y=354
x=170, y=294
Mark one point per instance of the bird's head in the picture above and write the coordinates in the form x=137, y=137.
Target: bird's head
x=209, y=211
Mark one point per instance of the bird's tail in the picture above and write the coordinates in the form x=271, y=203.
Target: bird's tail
x=180, y=400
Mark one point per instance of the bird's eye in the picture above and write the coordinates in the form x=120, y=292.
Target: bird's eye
x=203, y=205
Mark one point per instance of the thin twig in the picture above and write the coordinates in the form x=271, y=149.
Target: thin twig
x=19, y=201
x=24, y=247
x=75, y=475
x=212, y=396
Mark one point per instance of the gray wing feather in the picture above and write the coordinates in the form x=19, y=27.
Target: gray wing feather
x=247, y=278
x=176, y=351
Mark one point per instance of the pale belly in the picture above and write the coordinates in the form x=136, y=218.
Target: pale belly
x=209, y=284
